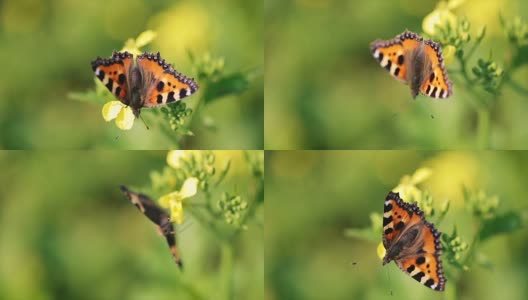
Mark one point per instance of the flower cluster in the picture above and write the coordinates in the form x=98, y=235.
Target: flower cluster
x=516, y=30
x=232, y=207
x=480, y=204
x=488, y=74
x=176, y=114
x=207, y=66
x=453, y=249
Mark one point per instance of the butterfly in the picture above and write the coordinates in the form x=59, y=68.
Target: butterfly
x=150, y=83
x=158, y=216
x=412, y=242
x=416, y=62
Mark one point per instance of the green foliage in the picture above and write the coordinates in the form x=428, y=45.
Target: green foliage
x=222, y=206
x=225, y=212
x=500, y=224
x=99, y=95
x=219, y=84
x=487, y=74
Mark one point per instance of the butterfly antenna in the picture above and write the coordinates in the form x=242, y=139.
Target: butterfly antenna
x=141, y=117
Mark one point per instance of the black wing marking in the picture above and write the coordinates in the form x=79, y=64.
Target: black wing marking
x=158, y=216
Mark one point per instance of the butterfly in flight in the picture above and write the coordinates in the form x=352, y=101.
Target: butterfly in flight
x=412, y=242
x=158, y=216
x=150, y=83
x=416, y=62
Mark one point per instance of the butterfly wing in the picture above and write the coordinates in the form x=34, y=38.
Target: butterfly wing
x=392, y=54
x=162, y=84
x=436, y=85
x=396, y=216
x=424, y=265
x=113, y=73
x=158, y=216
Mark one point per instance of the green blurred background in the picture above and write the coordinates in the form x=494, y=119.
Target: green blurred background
x=324, y=90
x=314, y=196
x=46, y=48
x=67, y=232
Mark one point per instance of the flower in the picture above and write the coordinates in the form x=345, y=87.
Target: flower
x=144, y=38
x=449, y=54
x=381, y=251
x=407, y=187
x=174, y=200
x=123, y=115
x=173, y=158
x=440, y=17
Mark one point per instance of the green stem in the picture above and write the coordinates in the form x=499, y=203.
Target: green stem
x=189, y=289
x=472, y=248
x=451, y=292
x=472, y=50
x=227, y=270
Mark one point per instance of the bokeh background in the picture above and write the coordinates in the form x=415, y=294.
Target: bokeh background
x=314, y=196
x=46, y=47
x=324, y=90
x=67, y=232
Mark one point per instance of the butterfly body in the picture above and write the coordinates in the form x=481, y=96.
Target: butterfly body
x=150, y=82
x=158, y=216
x=419, y=67
x=414, y=61
x=412, y=243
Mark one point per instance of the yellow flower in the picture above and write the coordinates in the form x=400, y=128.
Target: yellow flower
x=440, y=17
x=407, y=187
x=173, y=158
x=123, y=115
x=133, y=45
x=449, y=54
x=174, y=200
x=381, y=251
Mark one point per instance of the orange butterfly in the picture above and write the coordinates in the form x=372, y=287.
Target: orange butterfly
x=415, y=62
x=151, y=82
x=413, y=243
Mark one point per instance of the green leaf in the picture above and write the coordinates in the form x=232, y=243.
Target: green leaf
x=365, y=234
x=499, y=224
x=89, y=96
x=522, y=56
x=234, y=83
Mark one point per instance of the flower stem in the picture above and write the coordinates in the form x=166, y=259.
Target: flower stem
x=227, y=270
x=188, y=287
